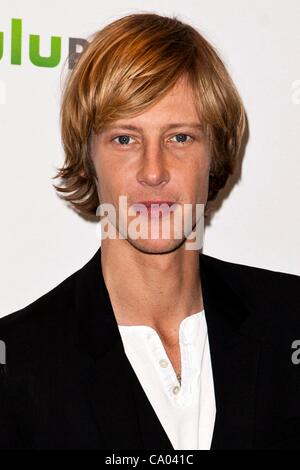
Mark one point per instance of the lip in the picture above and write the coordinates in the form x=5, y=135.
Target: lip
x=148, y=203
x=154, y=208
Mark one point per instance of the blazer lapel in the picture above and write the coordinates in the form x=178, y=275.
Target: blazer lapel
x=123, y=413
x=120, y=406
x=235, y=347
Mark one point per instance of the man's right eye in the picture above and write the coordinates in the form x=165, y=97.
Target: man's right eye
x=123, y=139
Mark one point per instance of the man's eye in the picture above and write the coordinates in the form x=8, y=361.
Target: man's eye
x=181, y=138
x=122, y=139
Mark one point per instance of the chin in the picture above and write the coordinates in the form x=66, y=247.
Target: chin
x=156, y=247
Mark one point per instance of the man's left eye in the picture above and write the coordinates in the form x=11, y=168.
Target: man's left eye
x=182, y=138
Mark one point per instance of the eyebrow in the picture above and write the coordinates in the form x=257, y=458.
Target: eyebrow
x=195, y=125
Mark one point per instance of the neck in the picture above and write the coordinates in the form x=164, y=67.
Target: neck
x=151, y=289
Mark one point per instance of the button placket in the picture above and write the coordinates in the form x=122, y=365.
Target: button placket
x=190, y=336
x=170, y=381
x=161, y=361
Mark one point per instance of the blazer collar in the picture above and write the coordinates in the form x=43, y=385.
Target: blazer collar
x=234, y=338
x=123, y=413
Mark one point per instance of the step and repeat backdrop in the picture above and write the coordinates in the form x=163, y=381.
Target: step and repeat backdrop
x=255, y=219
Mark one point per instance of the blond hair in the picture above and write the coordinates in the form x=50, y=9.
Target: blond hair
x=128, y=66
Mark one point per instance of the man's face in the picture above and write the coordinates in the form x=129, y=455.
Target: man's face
x=154, y=160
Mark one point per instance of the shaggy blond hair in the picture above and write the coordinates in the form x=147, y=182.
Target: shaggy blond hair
x=128, y=66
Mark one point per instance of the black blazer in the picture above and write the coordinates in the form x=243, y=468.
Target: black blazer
x=67, y=382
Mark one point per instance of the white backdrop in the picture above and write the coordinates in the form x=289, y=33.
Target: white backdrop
x=43, y=241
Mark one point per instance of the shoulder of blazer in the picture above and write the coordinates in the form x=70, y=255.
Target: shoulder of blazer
x=40, y=327
x=272, y=297
x=41, y=354
x=253, y=275
x=254, y=282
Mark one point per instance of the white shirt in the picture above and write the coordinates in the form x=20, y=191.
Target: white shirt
x=186, y=411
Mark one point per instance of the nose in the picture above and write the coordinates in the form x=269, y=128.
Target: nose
x=153, y=170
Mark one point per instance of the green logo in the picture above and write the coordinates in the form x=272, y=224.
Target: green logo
x=34, y=48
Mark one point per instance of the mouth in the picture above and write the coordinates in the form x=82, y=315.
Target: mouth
x=154, y=208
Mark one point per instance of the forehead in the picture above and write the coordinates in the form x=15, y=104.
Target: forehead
x=179, y=100
x=176, y=108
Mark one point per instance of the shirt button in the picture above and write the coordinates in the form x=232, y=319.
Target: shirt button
x=163, y=363
x=175, y=390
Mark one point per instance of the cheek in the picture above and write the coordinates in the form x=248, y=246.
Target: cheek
x=111, y=169
x=199, y=169
x=111, y=182
x=198, y=179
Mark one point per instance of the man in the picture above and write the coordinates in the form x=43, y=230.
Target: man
x=152, y=344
